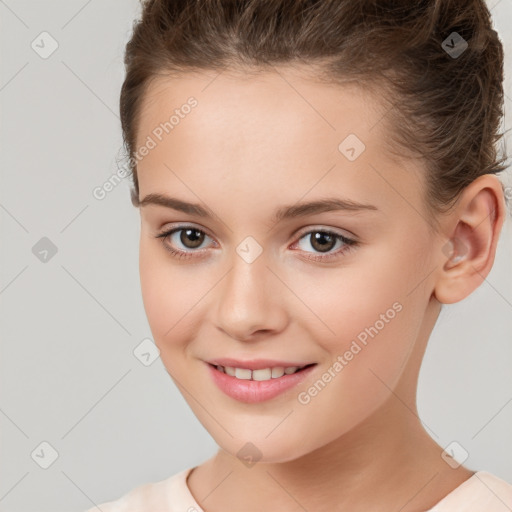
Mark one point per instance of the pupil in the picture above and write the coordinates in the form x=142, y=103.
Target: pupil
x=323, y=239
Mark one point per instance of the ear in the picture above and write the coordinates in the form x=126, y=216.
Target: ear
x=473, y=230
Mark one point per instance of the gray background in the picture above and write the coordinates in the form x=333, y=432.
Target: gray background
x=69, y=325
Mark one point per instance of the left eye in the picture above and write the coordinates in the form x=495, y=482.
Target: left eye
x=323, y=241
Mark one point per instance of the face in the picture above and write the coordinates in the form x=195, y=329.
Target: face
x=343, y=288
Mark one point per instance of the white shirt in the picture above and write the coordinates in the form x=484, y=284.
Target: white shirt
x=482, y=492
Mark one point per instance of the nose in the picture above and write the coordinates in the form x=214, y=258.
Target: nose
x=251, y=300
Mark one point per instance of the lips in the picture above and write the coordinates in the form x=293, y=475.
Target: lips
x=254, y=391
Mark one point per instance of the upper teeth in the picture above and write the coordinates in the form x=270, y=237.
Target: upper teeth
x=263, y=374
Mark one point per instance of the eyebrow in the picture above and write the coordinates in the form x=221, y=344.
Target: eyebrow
x=282, y=213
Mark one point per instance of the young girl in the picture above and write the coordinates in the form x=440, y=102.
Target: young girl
x=315, y=179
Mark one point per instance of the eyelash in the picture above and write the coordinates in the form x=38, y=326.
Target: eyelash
x=349, y=243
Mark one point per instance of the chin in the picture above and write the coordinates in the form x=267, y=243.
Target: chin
x=275, y=451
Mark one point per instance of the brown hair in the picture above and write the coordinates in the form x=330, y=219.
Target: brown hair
x=445, y=108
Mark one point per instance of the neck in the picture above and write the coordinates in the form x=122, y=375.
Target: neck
x=388, y=462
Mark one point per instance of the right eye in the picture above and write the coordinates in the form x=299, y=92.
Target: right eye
x=189, y=236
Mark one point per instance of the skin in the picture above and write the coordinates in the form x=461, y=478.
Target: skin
x=254, y=144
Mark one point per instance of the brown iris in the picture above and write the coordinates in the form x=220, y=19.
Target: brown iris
x=322, y=242
x=192, y=236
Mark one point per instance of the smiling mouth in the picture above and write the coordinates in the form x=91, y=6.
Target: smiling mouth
x=263, y=374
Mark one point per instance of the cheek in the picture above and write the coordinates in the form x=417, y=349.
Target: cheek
x=374, y=326
x=367, y=318
x=176, y=298
x=167, y=294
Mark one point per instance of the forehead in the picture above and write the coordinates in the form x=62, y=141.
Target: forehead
x=279, y=128
x=267, y=101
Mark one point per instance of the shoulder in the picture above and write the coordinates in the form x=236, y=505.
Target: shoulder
x=483, y=491
x=148, y=496
x=495, y=488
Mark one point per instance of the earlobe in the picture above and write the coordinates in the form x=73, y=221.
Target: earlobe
x=467, y=257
